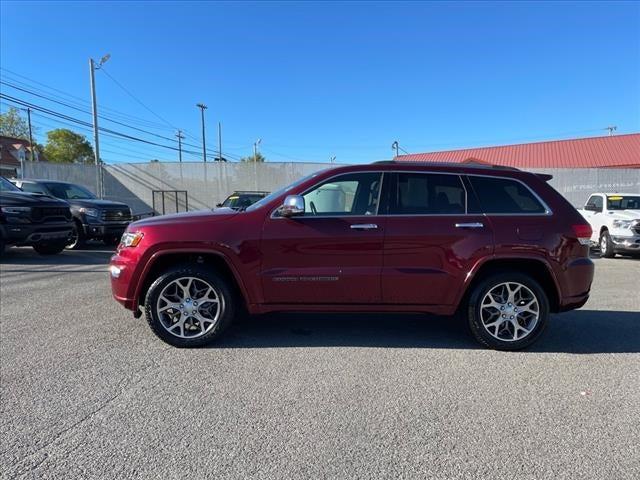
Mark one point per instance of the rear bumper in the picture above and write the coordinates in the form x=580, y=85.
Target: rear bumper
x=576, y=284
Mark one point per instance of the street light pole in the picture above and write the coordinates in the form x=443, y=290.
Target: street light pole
x=94, y=110
x=255, y=149
x=202, y=108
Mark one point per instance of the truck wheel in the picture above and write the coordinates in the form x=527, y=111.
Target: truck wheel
x=49, y=248
x=606, y=245
x=507, y=311
x=78, y=239
x=189, y=306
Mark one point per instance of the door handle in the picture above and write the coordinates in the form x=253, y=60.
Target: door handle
x=364, y=226
x=470, y=225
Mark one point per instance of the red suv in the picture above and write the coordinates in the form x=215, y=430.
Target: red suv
x=498, y=245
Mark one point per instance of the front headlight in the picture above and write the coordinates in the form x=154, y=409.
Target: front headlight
x=131, y=239
x=622, y=223
x=15, y=210
x=90, y=212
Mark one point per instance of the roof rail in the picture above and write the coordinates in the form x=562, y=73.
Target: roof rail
x=448, y=164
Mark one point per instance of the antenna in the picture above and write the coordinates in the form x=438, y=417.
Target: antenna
x=611, y=128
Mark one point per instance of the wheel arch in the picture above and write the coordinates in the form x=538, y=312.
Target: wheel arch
x=537, y=268
x=163, y=260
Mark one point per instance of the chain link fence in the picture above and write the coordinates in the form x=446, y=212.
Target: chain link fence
x=210, y=183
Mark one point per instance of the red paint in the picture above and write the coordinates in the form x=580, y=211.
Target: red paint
x=408, y=263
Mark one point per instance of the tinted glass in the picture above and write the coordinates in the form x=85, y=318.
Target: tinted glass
x=68, y=191
x=619, y=202
x=597, y=201
x=425, y=193
x=33, y=188
x=501, y=195
x=7, y=186
x=351, y=194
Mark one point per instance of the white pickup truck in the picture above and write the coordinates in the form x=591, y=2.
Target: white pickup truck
x=615, y=220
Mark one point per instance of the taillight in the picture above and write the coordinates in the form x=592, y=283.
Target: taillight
x=583, y=232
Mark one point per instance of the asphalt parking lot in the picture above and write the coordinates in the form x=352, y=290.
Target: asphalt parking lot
x=89, y=392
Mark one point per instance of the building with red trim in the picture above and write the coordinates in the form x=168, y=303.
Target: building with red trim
x=618, y=151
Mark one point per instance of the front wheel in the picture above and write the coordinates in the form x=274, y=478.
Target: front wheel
x=77, y=239
x=606, y=245
x=507, y=311
x=189, y=306
x=49, y=248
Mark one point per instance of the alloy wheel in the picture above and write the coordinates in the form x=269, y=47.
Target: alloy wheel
x=509, y=311
x=189, y=307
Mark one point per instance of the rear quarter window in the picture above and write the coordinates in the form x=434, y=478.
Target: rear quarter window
x=505, y=196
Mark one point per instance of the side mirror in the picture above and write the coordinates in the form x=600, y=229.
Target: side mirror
x=218, y=205
x=591, y=207
x=293, y=205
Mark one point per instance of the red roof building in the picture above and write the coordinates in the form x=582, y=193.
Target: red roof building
x=618, y=151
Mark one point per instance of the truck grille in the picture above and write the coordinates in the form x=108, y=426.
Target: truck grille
x=116, y=215
x=50, y=214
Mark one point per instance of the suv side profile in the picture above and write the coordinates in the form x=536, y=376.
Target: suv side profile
x=499, y=246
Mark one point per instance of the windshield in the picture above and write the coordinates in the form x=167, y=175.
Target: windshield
x=241, y=201
x=68, y=191
x=7, y=186
x=277, y=193
x=623, y=202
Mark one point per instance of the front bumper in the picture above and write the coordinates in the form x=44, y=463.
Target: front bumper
x=101, y=230
x=626, y=243
x=34, y=233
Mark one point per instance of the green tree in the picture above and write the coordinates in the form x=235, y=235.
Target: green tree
x=258, y=158
x=65, y=146
x=13, y=125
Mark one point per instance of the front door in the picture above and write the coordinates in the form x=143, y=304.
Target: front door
x=433, y=238
x=333, y=253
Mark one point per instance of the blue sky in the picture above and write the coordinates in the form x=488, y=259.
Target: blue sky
x=315, y=80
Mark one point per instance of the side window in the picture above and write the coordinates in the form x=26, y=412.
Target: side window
x=350, y=194
x=33, y=188
x=596, y=201
x=426, y=193
x=501, y=195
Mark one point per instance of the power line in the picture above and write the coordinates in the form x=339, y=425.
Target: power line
x=87, y=112
x=79, y=101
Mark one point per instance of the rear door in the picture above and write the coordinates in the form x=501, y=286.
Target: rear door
x=435, y=234
x=333, y=253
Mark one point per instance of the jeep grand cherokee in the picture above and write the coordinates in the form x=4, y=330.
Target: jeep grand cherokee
x=498, y=245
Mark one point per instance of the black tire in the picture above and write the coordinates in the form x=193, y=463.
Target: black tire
x=480, y=290
x=223, y=290
x=606, y=245
x=78, y=238
x=49, y=248
x=2, y=246
x=111, y=241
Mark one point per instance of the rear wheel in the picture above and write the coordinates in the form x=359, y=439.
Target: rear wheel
x=189, y=306
x=606, y=245
x=507, y=311
x=78, y=239
x=49, y=248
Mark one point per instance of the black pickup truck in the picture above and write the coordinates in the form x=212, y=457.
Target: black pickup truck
x=40, y=221
x=93, y=218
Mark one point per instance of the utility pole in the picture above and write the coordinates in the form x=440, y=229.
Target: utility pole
x=611, y=129
x=94, y=110
x=179, y=136
x=395, y=146
x=255, y=149
x=219, y=142
x=202, y=108
x=30, y=134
